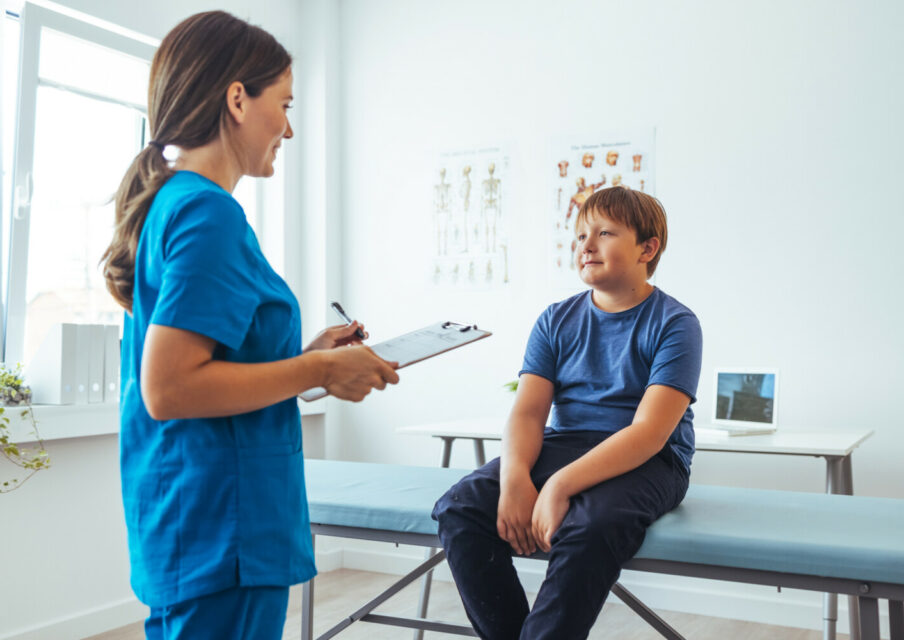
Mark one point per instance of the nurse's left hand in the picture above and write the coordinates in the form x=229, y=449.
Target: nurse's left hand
x=340, y=335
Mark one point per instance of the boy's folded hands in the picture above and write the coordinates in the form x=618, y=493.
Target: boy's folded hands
x=526, y=519
x=549, y=512
x=513, y=517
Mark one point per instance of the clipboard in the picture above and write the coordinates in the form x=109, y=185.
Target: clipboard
x=415, y=346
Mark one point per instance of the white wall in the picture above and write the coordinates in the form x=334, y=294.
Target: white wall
x=778, y=155
x=778, y=159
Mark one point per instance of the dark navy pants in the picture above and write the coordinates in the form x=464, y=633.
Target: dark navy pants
x=603, y=529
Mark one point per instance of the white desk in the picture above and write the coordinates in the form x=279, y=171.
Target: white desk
x=835, y=446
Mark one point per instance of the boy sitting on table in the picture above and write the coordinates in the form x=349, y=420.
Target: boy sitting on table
x=619, y=366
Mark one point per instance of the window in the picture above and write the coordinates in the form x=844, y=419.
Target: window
x=80, y=120
x=71, y=126
x=9, y=55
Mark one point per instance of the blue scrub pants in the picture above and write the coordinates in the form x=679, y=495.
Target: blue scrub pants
x=240, y=613
x=603, y=529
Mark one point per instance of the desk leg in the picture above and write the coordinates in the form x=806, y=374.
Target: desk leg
x=307, y=607
x=447, y=451
x=839, y=480
x=479, y=453
x=846, y=487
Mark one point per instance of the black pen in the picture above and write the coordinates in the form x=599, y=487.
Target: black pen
x=338, y=309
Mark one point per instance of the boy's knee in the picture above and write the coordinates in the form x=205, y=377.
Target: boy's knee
x=443, y=506
x=469, y=505
x=602, y=537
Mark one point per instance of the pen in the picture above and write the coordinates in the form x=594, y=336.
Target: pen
x=338, y=309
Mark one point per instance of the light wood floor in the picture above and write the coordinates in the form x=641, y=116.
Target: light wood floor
x=338, y=593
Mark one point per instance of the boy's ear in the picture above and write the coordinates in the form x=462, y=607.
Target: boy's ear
x=650, y=248
x=236, y=101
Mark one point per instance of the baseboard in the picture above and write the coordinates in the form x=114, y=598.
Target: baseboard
x=84, y=623
x=328, y=560
x=119, y=614
x=752, y=603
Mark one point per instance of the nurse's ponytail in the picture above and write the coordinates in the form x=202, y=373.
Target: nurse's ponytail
x=190, y=73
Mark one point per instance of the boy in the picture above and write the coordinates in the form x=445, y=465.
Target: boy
x=619, y=367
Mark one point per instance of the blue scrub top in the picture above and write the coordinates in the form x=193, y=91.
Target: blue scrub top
x=211, y=503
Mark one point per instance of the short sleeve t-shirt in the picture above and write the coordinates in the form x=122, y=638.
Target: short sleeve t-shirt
x=602, y=363
x=211, y=503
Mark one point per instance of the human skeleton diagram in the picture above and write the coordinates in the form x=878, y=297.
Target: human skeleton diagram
x=490, y=208
x=470, y=224
x=441, y=213
x=461, y=222
x=465, y=189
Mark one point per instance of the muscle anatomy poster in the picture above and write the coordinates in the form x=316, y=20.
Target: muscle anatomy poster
x=578, y=167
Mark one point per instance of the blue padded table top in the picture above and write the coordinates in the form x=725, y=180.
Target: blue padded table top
x=815, y=534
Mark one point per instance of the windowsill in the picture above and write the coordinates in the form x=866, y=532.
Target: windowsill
x=56, y=422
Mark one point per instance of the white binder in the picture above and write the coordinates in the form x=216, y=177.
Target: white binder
x=96, y=363
x=111, y=363
x=82, y=362
x=51, y=372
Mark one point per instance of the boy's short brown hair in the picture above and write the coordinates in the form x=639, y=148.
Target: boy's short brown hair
x=634, y=209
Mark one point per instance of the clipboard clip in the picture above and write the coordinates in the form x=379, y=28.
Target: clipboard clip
x=458, y=326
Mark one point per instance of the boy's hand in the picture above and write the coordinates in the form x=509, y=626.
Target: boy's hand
x=513, y=516
x=549, y=511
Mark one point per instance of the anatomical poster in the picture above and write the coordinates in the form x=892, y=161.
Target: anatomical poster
x=470, y=238
x=578, y=167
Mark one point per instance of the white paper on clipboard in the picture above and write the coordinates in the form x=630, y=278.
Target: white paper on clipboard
x=415, y=346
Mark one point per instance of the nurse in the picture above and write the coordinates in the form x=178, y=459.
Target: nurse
x=211, y=461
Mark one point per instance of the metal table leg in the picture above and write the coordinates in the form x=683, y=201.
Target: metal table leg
x=427, y=581
x=307, y=607
x=896, y=619
x=869, y=622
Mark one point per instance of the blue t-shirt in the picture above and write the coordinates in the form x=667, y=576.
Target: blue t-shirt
x=602, y=363
x=211, y=503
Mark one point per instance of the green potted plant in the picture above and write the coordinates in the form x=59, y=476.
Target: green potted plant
x=15, y=393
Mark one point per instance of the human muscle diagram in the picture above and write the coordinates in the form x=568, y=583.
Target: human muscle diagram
x=469, y=226
x=578, y=168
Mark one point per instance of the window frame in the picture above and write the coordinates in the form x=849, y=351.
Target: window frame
x=33, y=19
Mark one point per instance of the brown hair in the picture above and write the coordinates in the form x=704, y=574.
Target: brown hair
x=635, y=209
x=190, y=73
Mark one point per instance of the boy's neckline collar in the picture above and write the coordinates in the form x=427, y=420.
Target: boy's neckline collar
x=592, y=303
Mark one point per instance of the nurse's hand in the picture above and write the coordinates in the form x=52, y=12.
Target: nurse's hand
x=352, y=373
x=340, y=335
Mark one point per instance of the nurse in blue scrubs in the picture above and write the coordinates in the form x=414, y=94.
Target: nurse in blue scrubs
x=212, y=362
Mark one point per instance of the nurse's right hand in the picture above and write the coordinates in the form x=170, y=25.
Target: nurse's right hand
x=352, y=372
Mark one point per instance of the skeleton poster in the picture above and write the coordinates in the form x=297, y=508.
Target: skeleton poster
x=577, y=168
x=470, y=238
